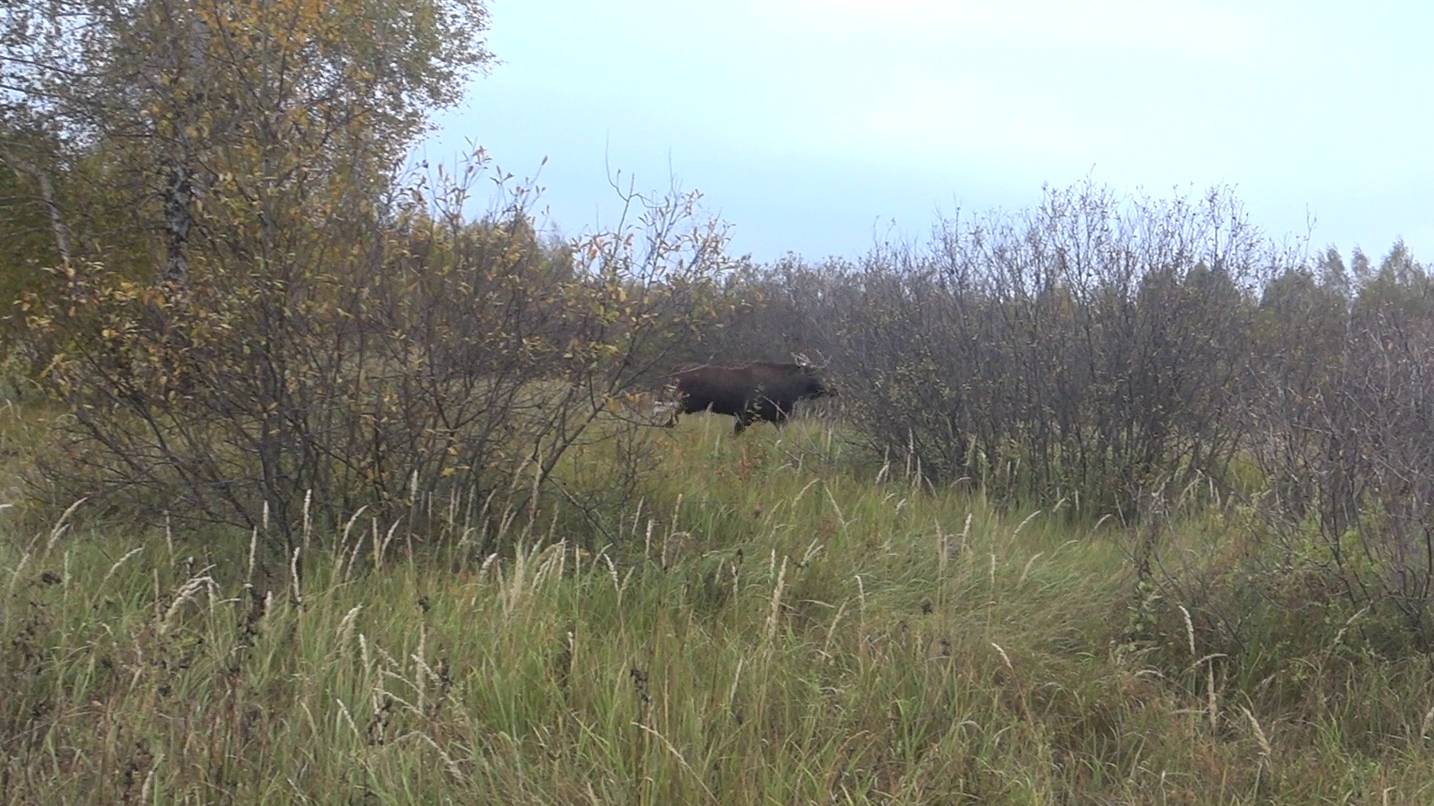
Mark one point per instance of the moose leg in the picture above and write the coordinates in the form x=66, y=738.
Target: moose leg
x=671, y=403
x=743, y=420
x=784, y=411
x=752, y=411
x=665, y=415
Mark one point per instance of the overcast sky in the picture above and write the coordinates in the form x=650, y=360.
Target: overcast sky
x=813, y=125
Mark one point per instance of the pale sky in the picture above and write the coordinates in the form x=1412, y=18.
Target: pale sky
x=812, y=125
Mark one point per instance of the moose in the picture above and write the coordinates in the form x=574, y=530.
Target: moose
x=760, y=390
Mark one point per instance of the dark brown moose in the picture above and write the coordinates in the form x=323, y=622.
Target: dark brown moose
x=761, y=390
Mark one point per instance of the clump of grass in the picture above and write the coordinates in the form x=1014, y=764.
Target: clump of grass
x=772, y=624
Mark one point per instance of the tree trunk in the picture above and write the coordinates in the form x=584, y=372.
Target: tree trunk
x=58, y=228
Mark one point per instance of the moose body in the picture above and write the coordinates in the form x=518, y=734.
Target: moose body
x=758, y=391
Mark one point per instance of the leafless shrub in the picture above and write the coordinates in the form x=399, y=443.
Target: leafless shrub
x=1348, y=433
x=1084, y=350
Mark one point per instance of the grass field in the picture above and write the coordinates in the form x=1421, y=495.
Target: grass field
x=780, y=621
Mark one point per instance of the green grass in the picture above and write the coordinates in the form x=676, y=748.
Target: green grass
x=773, y=625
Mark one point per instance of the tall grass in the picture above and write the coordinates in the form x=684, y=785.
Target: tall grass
x=774, y=623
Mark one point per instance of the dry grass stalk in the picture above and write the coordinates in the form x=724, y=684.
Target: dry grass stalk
x=682, y=762
x=776, y=602
x=1004, y=657
x=186, y=592
x=348, y=718
x=345, y=631
x=62, y=524
x=1260, y=738
x=120, y=562
x=1025, y=572
x=294, y=576
x=1189, y=628
x=1023, y=523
